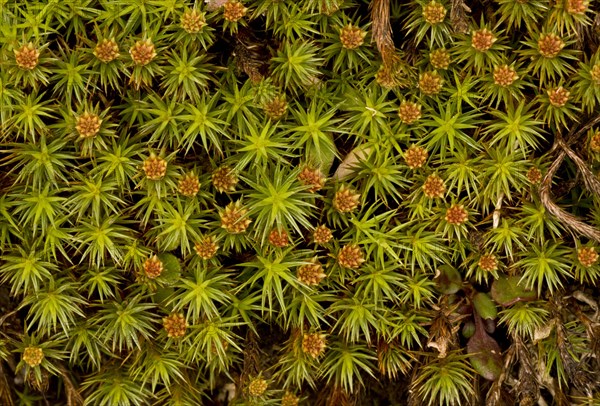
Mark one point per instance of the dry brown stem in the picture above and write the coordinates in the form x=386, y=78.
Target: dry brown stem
x=74, y=398
x=382, y=32
x=458, y=16
x=590, y=181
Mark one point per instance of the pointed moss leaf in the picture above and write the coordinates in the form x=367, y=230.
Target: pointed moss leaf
x=448, y=280
x=322, y=158
x=486, y=356
x=172, y=268
x=484, y=306
x=506, y=291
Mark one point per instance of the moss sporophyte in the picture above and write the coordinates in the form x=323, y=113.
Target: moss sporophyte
x=315, y=202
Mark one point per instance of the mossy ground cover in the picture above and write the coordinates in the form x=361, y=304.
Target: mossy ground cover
x=321, y=202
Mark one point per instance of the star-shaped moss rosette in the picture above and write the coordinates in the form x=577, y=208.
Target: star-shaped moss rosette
x=288, y=202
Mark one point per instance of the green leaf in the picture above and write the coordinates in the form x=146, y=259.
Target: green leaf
x=485, y=353
x=274, y=277
x=201, y=292
x=278, y=200
x=444, y=381
x=26, y=271
x=58, y=304
x=448, y=279
x=172, y=267
x=484, y=306
x=125, y=323
x=544, y=266
x=507, y=291
x=296, y=64
x=345, y=365
x=449, y=130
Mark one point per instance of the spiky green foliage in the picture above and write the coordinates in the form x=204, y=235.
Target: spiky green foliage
x=350, y=202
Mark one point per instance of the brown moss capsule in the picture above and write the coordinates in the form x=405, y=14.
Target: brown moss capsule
x=27, y=56
x=175, y=325
x=88, y=125
x=346, y=199
x=153, y=267
x=192, y=21
x=155, y=167
x=107, y=50
x=488, y=262
x=314, y=344
x=504, y=75
x=434, y=187
x=278, y=238
x=257, y=387
x=350, y=256
x=550, y=45
x=311, y=274
x=189, y=185
x=558, y=96
x=206, y=248
x=33, y=356
x=434, y=12
x=313, y=178
x=142, y=52
x=440, y=58
x=587, y=256
x=352, y=37
x=233, y=11
x=224, y=179
x=430, y=83
x=233, y=218
x=322, y=234
x=409, y=112
x=457, y=214
x=415, y=157
x=534, y=175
